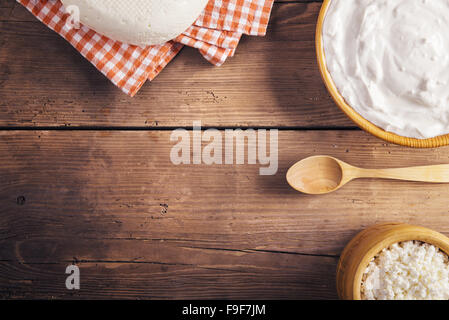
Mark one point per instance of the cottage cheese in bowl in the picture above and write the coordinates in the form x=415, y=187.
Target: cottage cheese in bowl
x=409, y=270
x=389, y=59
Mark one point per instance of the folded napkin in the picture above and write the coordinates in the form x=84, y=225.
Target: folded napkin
x=215, y=34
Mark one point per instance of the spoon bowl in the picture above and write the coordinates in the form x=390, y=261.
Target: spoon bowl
x=316, y=175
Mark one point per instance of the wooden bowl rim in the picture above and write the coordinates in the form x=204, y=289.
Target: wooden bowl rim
x=364, y=124
x=396, y=233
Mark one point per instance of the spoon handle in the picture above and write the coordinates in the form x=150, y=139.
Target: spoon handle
x=435, y=174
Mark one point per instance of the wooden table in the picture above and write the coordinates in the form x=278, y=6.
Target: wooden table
x=86, y=176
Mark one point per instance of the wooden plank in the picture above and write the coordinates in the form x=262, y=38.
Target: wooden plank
x=149, y=280
x=6, y=9
x=7, y=3
x=45, y=82
x=139, y=226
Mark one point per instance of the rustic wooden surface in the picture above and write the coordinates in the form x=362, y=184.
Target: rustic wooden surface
x=86, y=176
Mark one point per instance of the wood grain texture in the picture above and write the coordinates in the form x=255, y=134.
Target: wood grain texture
x=45, y=82
x=109, y=200
x=141, y=227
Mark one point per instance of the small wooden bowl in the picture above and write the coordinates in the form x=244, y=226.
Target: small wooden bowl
x=350, y=112
x=367, y=244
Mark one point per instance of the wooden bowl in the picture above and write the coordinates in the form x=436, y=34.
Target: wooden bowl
x=351, y=113
x=367, y=244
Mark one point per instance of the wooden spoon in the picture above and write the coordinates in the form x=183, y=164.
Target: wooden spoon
x=324, y=174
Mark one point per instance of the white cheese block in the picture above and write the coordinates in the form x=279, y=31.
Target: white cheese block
x=138, y=22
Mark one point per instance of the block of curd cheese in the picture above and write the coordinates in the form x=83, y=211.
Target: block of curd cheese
x=138, y=22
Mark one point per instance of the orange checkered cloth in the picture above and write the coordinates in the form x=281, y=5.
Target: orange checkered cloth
x=215, y=34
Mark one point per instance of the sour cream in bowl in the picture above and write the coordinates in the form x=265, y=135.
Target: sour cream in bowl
x=386, y=63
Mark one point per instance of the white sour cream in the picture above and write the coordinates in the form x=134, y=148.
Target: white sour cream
x=389, y=59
